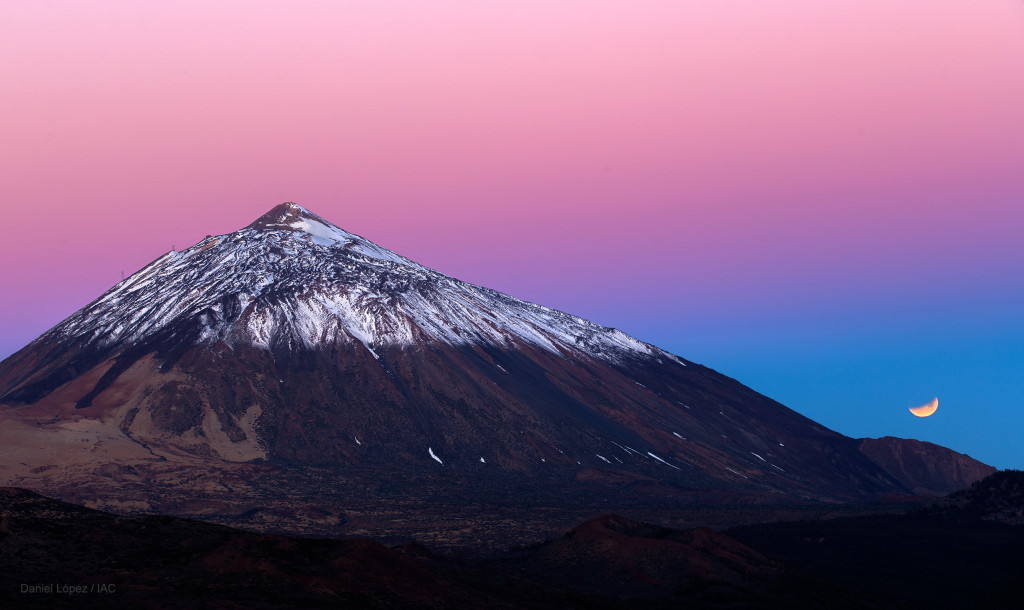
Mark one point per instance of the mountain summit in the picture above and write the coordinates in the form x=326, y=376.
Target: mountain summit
x=293, y=217
x=293, y=344
x=287, y=215
x=292, y=279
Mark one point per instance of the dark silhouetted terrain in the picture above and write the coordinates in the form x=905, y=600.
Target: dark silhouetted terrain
x=168, y=562
x=964, y=551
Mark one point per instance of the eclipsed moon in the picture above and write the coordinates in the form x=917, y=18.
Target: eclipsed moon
x=926, y=410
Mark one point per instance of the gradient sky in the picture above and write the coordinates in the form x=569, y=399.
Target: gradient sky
x=824, y=200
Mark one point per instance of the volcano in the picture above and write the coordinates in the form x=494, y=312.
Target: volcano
x=294, y=359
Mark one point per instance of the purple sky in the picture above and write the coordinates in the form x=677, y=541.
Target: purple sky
x=822, y=200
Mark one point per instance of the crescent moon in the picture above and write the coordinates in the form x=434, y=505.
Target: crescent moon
x=926, y=410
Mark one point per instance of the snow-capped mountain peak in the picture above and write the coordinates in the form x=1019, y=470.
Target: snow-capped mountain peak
x=293, y=217
x=308, y=226
x=299, y=343
x=289, y=215
x=292, y=278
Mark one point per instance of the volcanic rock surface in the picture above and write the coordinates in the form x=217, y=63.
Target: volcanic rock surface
x=294, y=376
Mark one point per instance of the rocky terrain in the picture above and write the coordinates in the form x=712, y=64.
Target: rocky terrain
x=57, y=555
x=962, y=551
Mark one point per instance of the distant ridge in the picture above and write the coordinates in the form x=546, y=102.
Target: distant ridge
x=924, y=468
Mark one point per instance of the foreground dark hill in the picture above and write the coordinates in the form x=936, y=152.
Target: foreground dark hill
x=613, y=555
x=998, y=498
x=289, y=371
x=964, y=551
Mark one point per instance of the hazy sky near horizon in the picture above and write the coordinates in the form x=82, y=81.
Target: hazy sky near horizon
x=823, y=200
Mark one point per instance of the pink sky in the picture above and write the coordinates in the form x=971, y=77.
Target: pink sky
x=729, y=168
